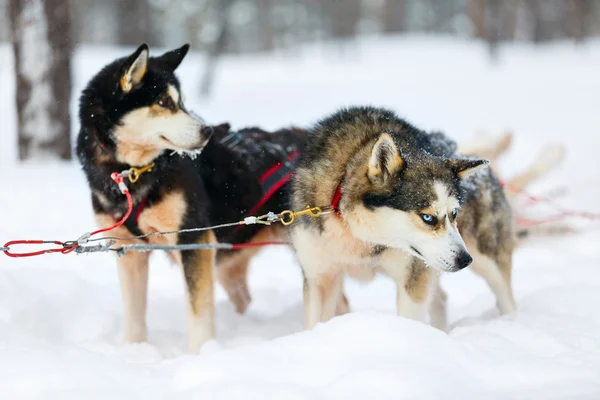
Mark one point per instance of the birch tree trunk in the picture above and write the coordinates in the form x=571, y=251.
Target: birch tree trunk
x=217, y=48
x=42, y=53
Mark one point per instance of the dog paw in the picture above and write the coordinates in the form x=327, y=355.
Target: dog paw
x=342, y=307
x=135, y=334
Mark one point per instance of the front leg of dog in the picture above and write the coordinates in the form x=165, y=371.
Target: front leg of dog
x=133, y=278
x=413, y=284
x=313, y=303
x=438, y=309
x=198, y=269
x=343, y=307
x=331, y=289
x=498, y=278
x=409, y=307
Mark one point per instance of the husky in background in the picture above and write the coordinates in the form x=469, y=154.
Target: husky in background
x=403, y=203
x=549, y=158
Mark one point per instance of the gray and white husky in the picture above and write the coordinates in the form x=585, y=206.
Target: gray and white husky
x=405, y=204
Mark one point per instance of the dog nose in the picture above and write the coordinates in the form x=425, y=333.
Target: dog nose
x=463, y=260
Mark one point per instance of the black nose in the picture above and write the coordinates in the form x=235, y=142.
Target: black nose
x=463, y=260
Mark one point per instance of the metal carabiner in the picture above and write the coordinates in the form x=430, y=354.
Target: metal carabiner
x=288, y=217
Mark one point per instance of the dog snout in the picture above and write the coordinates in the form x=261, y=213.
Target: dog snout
x=463, y=260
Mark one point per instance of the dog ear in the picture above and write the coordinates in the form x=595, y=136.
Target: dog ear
x=385, y=160
x=172, y=59
x=465, y=167
x=135, y=69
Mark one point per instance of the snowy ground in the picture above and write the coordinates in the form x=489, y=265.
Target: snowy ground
x=60, y=316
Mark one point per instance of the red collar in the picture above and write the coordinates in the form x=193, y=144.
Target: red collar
x=335, y=202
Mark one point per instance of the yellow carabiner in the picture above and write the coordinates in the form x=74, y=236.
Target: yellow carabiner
x=135, y=173
x=288, y=217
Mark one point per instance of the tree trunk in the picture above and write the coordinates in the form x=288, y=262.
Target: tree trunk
x=494, y=26
x=133, y=28
x=511, y=17
x=217, y=48
x=344, y=16
x=264, y=21
x=537, y=21
x=42, y=49
x=477, y=14
x=393, y=16
x=576, y=16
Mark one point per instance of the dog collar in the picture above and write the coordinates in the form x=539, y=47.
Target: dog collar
x=133, y=173
x=335, y=202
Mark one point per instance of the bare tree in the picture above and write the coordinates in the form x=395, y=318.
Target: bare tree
x=264, y=20
x=133, y=28
x=343, y=16
x=394, y=16
x=476, y=9
x=537, y=20
x=42, y=49
x=576, y=16
x=217, y=48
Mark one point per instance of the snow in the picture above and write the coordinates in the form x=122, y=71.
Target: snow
x=60, y=316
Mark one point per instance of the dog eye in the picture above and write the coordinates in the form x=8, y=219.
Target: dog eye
x=454, y=213
x=429, y=219
x=166, y=102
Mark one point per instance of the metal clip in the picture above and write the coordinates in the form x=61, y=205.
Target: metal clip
x=288, y=217
x=266, y=219
x=135, y=173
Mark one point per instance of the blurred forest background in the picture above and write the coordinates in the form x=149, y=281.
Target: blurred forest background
x=218, y=27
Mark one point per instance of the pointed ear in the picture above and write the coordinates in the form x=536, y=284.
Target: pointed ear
x=172, y=59
x=135, y=68
x=465, y=167
x=385, y=160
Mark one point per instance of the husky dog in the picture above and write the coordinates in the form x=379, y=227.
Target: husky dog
x=549, y=157
x=132, y=114
x=404, y=203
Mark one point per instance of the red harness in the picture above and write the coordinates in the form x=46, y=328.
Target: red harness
x=272, y=180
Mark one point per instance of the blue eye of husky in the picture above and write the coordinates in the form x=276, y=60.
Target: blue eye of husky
x=429, y=219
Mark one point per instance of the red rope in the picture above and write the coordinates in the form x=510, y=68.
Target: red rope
x=122, y=220
x=256, y=244
x=62, y=249
x=67, y=247
x=562, y=212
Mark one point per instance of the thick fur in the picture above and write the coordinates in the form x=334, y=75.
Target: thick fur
x=132, y=113
x=394, y=178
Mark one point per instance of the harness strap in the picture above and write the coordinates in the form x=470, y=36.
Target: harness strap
x=132, y=223
x=274, y=178
x=139, y=209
